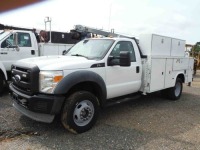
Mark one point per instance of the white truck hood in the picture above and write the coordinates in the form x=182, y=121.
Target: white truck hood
x=58, y=62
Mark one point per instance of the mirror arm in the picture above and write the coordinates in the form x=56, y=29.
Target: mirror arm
x=110, y=58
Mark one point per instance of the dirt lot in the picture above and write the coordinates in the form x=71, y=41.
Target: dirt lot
x=150, y=122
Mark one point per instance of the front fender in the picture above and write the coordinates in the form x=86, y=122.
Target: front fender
x=2, y=68
x=77, y=77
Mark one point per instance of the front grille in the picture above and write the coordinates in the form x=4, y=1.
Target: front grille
x=25, y=80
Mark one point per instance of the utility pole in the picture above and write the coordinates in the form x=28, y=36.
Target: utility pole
x=46, y=20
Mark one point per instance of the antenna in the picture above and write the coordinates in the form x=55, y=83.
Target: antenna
x=109, y=16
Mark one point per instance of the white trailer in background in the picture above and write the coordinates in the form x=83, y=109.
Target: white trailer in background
x=20, y=44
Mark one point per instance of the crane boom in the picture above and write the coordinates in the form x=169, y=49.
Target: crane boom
x=85, y=29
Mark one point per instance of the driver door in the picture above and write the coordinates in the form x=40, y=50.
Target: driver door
x=122, y=80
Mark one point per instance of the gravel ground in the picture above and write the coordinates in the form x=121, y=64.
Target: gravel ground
x=150, y=122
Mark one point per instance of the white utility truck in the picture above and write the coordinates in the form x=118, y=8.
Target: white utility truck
x=19, y=44
x=95, y=73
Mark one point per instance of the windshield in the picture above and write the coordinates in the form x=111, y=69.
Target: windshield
x=3, y=34
x=91, y=48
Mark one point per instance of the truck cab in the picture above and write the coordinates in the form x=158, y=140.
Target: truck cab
x=15, y=45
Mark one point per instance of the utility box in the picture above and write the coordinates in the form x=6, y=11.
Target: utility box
x=158, y=45
x=166, y=57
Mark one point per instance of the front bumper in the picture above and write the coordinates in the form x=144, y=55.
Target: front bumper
x=40, y=107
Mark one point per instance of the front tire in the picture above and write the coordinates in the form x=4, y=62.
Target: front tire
x=1, y=83
x=80, y=112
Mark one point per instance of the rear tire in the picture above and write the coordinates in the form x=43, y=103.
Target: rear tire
x=175, y=92
x=80, y=112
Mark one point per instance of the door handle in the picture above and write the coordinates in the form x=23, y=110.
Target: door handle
x=4, y=53
x=32, y=52
x=137, y=69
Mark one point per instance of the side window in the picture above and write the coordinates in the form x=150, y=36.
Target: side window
x=8, y=42
x=124, y=46
x=115, y=51
x=24, y=40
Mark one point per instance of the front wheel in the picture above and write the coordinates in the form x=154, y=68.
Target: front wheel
x=175, y=92
x=80, y=112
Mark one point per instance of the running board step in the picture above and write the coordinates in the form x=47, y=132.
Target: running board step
x=117, y=101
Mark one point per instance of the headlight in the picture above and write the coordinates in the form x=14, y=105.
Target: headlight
x=49, y=80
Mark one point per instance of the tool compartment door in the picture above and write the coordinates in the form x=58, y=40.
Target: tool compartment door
x=157, y=74
x=178, y=48
x=169, y=76
x=190, y=69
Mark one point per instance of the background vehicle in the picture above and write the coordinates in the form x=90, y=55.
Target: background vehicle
x=94, y=74
x=19, y=44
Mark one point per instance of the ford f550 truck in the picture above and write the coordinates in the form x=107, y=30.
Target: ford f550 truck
x=96, y=72
x=19, y=44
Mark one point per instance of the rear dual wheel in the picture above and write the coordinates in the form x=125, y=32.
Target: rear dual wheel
x=80, y=112
x=174, y=93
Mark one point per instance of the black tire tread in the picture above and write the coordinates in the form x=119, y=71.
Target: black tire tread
x=65, y=116
x=1, y=83
x=171, y=93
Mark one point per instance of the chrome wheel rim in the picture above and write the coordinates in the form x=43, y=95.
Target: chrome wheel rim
x=83, y=113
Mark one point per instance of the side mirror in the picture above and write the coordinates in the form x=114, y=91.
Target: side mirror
x=15, y=42
x=125, y=58
x=65, y=51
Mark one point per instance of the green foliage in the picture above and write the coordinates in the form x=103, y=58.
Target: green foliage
x=197, y=47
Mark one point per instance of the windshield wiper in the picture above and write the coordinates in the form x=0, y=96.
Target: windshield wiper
x=79, y=55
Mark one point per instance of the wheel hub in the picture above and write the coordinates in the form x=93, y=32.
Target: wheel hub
x=86, y=113
x=83, y=113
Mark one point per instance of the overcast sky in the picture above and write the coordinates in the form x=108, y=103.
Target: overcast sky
x=179, y=19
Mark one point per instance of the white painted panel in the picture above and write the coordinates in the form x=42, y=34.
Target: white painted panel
x=155, y=45
x=50, y=49
x=53, y=48
x=178, y=47
x=169, y=79
x=145, y=42
x=180, y=63
x=190, y=69
x=157, y=74
x=161, y=45
x=122, y=80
